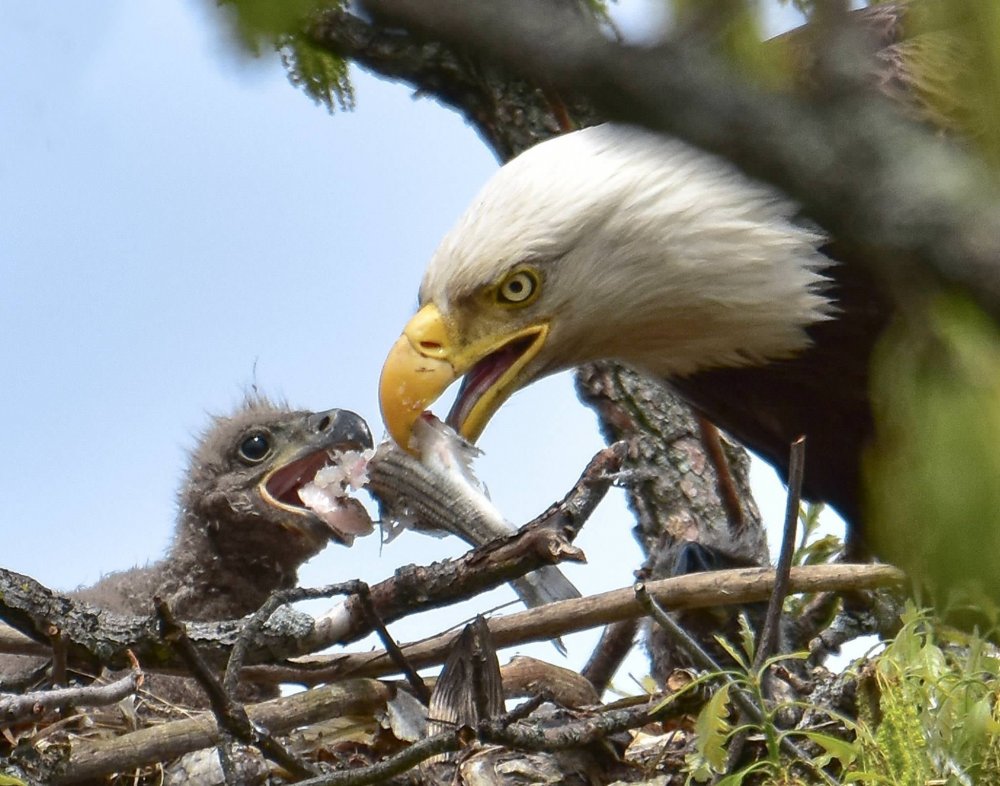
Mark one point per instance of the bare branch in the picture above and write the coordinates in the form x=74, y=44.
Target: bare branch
x=288, y=634
x=17, y=707
x=696, y=590
x=614, y=646
x=768, y=637
x=401, y=762
x=694, y=651
x=230, y=714
x=166, y=741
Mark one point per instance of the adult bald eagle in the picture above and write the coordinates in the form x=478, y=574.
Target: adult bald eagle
x=617, y=243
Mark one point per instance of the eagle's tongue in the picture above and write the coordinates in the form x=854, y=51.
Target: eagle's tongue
x=481, y=377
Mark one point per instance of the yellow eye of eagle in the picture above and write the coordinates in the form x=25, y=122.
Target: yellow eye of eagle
x=519, y=288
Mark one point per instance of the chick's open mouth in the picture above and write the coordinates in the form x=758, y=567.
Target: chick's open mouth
x=316, y=488
x=284, y=483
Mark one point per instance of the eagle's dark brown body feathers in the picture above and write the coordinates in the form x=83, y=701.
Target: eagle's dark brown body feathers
x=822, y=393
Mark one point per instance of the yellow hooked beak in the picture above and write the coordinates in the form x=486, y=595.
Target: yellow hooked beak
x=429, y=356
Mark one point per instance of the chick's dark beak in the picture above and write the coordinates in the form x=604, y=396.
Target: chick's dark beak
x=341, y=428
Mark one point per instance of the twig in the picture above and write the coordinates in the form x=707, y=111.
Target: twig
x=415, y=681
x=401, y=762
x=173, y=633
x=58, y=656
x=728, y=492
x=881, y=617
x=248, y=636
x=522, y=710
x=616, y=642
x=739, y=694
x=256, y=622
x=768, y=638
x=814, y=616
x=16, y=707
x=231, y=715
x=695, y=652
x=525, y=735
x=225, y=748
x=359, y=589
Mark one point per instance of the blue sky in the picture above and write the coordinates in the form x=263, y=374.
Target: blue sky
x=177, y=224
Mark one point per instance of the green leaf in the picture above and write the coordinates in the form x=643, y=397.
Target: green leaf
x=953, y=62
x=843, y=751
x=712, y=730
x=260, y=24
x=734, y=653
x=322, y=75
x=933, y=474
x=747, y=639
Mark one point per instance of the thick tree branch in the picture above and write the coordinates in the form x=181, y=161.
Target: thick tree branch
x=169, y=740
x=93, y=635
x=857, y=166
x=509, y=113
x=288, y=633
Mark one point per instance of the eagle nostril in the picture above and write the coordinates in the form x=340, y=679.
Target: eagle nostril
x=324, y=423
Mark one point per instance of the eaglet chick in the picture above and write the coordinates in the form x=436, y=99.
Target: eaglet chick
x=242, y=531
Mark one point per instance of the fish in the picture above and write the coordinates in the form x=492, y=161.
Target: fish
x=445, y=494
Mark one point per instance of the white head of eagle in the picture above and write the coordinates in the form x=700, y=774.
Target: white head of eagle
x=607, y=243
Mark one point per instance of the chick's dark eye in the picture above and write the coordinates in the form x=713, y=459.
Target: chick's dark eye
x=255, y=447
